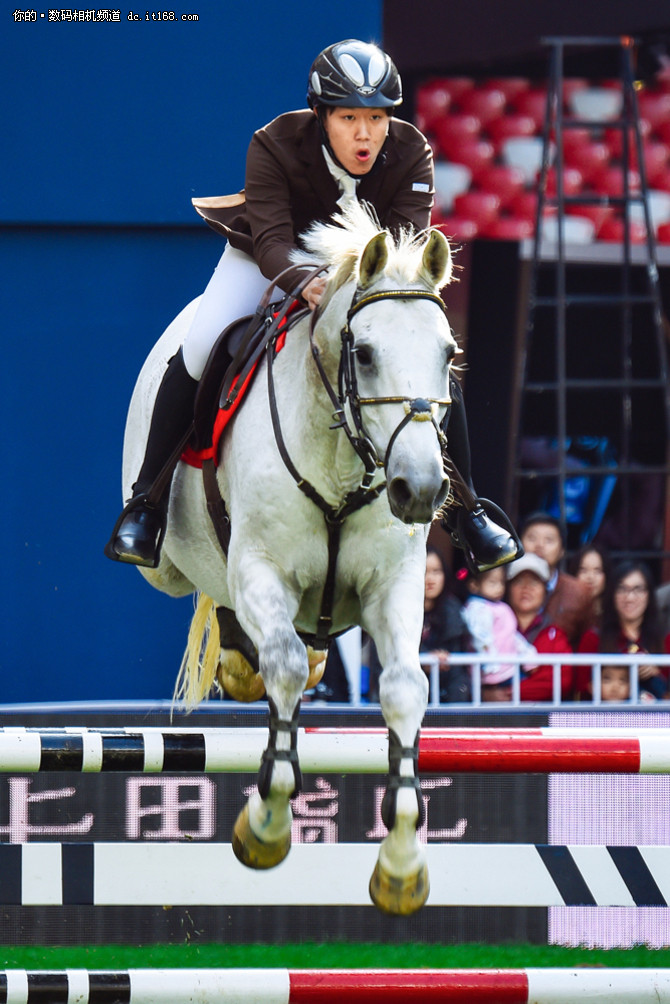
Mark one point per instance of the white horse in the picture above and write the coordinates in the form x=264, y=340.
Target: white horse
x=376, y=468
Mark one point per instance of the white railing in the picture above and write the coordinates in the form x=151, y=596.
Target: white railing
x=597, y=661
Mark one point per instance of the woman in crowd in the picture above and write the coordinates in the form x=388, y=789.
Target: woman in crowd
x=629, y=624
x=527, y=580
x=591, y=565
x=444, y=629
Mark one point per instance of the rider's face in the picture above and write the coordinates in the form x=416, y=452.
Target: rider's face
x=356, y=136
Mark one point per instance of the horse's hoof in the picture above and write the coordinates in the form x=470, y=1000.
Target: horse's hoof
x=255, y=853
x=317, y=667
x=399, y=897
x=239, y=678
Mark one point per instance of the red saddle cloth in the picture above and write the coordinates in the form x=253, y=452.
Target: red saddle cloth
x=223, y=417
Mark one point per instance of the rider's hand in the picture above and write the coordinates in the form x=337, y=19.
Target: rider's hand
x=313, y=291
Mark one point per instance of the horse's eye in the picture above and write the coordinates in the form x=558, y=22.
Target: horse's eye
x=364, y=355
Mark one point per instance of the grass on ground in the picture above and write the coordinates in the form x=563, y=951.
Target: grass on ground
x=333, y=955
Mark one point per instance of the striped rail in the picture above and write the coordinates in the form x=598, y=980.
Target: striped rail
x=339, y=751
x=282, y=986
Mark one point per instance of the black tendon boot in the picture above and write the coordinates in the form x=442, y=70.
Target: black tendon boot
x=138, y=534
x=477, y=526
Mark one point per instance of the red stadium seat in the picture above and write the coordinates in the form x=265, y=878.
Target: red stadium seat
x=597, y=214
x=508, y=228
x=654, y=106
x=532, y=102
x=432, y=103
x=457, y=86
x=474, y=153
x=453, y=129
x=610, y=180
x=662, y=179
x=510, y=86
x=614, y=138
x=656, y=159
x=487, y=103
x=663, y=132
x=504, y=181
x=612, y=230
x=589, y=158
x=482, y=207
x=572, y=181
x=663, y=233
x=456, y=227
x=508, y=126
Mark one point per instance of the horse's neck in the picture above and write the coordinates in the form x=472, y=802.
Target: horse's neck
x=322, y=455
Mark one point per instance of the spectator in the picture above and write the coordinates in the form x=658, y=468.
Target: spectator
x=569, y=605
x=444, y=629
x=591, y=565
x=493, y=629
x=615, y=683
x=629, y=624
x=527, y=580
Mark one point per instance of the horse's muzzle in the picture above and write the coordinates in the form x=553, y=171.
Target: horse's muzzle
x=416, y=502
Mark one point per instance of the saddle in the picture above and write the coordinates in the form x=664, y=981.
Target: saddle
x=230, y=371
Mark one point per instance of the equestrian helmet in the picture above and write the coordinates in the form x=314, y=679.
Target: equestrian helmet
x=353, y=74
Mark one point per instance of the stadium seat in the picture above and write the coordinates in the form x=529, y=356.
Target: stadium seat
x=524, y=152
x=532, y=102
x=663, y=233
x=432, y=103
x=510, y=86
x=482, y=207
x=451, y=130
x=576, y=229
x=508, y=126
x=654, y=106
x=589, y=157
x=508, y=228
x=659, y=208
x=598, y=214
x=614, y=138
x=486, y=103
x=610, y=180
x=456, y=227
x=612, y=230
x=656, y=159
x=504, y=181
x=572, y=181
x=476, y=154
x=458, y=86
x=596, y=104
x=450, y=180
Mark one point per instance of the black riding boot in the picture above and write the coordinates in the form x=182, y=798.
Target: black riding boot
x=138, y=534
x=487, y=542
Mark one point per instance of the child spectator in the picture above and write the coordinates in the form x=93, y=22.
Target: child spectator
x=493, y=630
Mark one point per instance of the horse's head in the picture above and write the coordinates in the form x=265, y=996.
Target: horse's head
x=384, y=322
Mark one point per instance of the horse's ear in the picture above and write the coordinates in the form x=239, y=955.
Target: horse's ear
x=373, y=260
x=436, y=264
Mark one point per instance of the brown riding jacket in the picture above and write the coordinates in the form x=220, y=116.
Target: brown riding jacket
x=288, y=187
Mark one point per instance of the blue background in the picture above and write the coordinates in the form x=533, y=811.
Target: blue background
x=108, y=131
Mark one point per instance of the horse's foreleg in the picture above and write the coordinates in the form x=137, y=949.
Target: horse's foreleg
x=399, y=884
x=262, y=832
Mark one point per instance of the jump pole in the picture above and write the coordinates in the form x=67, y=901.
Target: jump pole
x=301, y=986
x=336, y=751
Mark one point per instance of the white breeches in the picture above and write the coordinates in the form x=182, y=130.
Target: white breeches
x=234, y=290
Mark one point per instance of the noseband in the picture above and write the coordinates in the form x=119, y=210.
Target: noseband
x=419, y=409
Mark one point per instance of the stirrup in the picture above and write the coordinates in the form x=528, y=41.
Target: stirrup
x=147, y=553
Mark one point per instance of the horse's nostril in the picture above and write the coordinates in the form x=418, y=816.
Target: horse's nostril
x=400, y=492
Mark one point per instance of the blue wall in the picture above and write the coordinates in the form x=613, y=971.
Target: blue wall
x=108, y=131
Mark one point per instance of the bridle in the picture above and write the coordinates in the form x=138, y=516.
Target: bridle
x=348, y=400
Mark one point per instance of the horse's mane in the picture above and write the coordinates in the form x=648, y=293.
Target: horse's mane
x=339, y=243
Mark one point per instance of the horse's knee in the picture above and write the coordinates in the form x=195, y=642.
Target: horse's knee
x=284, y=667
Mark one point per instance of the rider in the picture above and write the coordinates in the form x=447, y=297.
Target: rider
x=301, y=168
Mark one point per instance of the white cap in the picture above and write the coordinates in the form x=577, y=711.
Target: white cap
x=529, y=563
